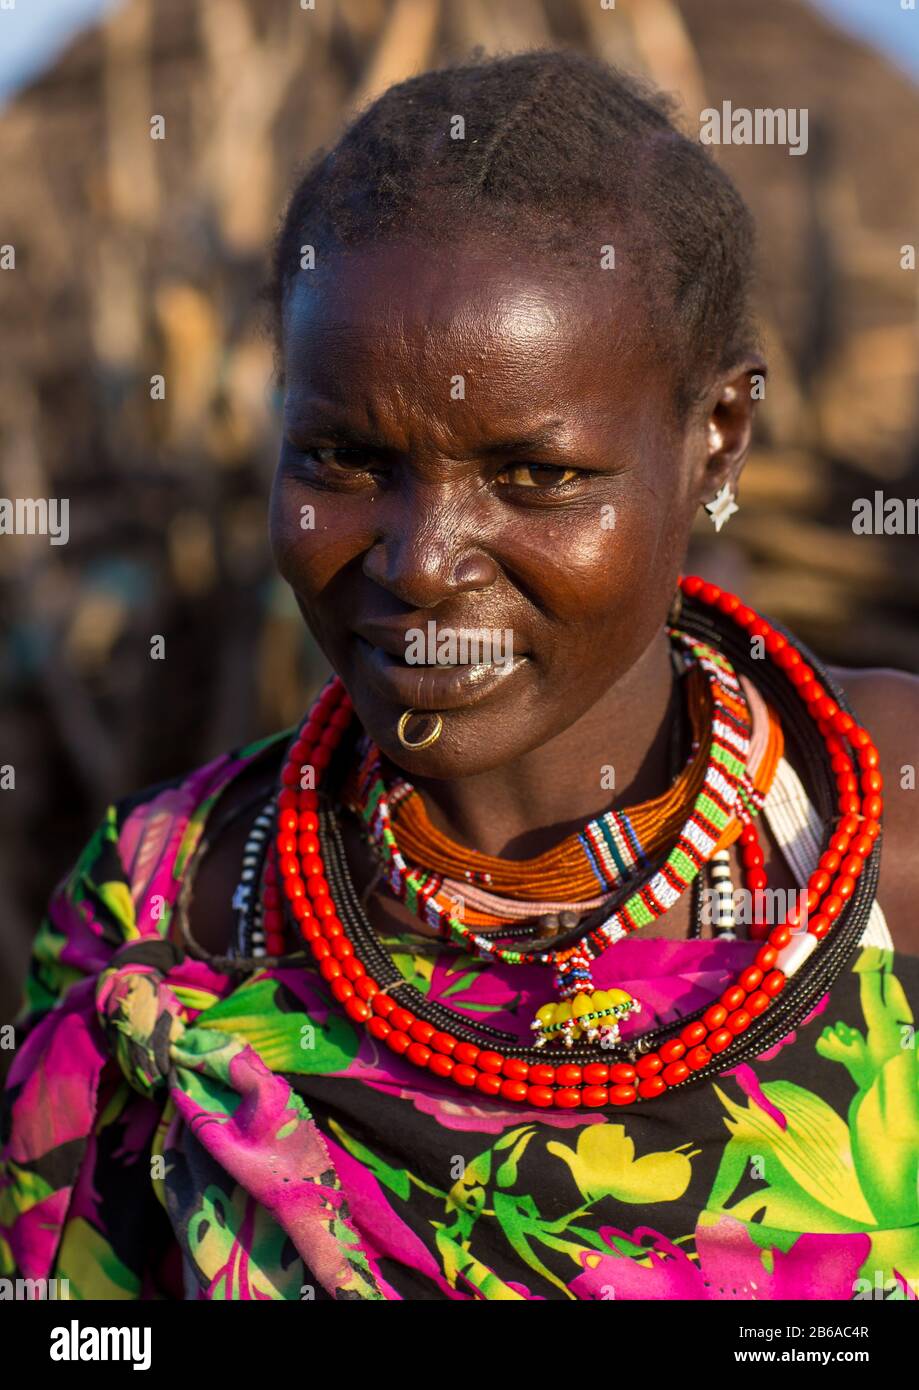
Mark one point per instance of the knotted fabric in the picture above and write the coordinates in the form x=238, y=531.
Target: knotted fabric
x=131, y=1050
x=139, y=1013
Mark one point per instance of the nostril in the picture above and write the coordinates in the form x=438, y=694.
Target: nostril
x=421, y=572
x=475, y=571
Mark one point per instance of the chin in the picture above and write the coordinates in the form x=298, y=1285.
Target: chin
x=471, y=741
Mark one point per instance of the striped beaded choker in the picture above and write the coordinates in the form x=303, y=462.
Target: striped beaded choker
x=812, y=943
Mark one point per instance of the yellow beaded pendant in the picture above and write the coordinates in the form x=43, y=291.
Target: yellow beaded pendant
x=594, y=1016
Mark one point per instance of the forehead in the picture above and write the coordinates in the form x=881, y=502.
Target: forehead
x=404, y=322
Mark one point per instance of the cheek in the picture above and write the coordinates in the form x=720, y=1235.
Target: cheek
x=597, y=568
x=310, y=542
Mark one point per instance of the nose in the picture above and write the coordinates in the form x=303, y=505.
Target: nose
x=428, y=552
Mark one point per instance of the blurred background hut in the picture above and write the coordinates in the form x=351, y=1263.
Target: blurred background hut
x=137, y=257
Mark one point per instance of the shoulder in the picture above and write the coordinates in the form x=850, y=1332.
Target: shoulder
x=886, y=702
x=199, y=787
x=128, y=876
x=162, y=822
x=882, y=689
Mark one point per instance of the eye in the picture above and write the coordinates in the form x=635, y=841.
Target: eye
x=353, y=460
x=537, y=475
x=332, y=465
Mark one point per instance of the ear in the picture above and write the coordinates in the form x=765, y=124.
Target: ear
x=727, y=424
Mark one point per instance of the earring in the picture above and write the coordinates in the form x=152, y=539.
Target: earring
x=722, y=506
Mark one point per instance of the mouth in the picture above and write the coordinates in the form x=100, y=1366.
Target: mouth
x=433, y=686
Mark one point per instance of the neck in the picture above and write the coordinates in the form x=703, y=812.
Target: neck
x=525, y=807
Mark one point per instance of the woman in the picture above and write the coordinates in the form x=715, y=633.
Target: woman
x=468, y=987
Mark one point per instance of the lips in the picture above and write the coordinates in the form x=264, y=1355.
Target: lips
x=434, y=687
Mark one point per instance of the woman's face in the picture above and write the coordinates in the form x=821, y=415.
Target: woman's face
x=476, y=448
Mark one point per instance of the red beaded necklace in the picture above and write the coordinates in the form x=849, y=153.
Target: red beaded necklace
x=305, y=888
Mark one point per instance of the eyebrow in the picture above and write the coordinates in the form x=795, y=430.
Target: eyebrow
x=525, y=444
x=546, y=436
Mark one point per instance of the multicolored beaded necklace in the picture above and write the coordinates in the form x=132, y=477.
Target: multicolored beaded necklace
x=310, y=877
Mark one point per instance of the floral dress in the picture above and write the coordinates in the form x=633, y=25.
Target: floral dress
x=171, y=1129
